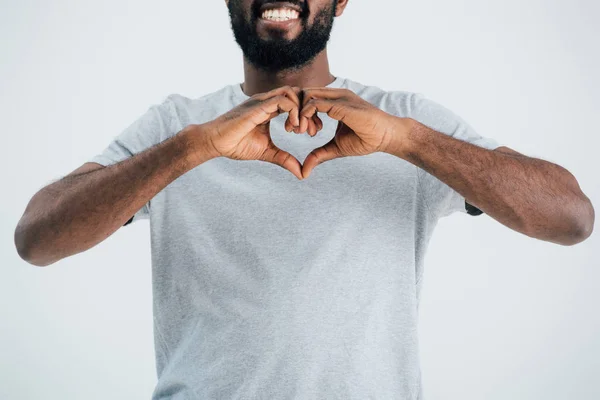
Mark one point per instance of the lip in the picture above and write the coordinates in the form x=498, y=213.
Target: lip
x=279, y=4
x=278, y=24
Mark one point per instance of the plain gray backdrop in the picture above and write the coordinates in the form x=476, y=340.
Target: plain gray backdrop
x=75, y=73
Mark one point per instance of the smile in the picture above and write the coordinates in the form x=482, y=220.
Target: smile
x=280, y=14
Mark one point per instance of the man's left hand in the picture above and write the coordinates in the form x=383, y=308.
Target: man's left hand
x=362, y=128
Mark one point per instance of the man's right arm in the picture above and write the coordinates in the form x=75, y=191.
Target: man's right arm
x=87, y=206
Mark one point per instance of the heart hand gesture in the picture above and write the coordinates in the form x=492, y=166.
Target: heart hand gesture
x=243, y=132
x=362, y=128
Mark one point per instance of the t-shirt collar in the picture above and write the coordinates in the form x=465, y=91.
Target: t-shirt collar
x=337, y=83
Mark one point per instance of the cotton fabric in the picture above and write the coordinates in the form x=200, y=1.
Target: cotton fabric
x=269, y=287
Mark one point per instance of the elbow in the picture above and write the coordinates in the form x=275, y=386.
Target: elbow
x=25, y=249
x=583, y=223
x=586, y=226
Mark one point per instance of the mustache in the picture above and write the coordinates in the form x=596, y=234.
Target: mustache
x=259, y=3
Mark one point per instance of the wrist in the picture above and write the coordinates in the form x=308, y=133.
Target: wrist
x=198, y=144
x=398, y=136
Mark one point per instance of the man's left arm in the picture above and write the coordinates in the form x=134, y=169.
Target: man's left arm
x=532, y=196
x=535, y=197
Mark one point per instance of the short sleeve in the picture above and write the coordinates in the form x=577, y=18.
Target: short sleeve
x=151, y=128
x=441, y=199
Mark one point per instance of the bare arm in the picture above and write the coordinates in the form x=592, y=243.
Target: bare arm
x=87, y=206
x=535, y=197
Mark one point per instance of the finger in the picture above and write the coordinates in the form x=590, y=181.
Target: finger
x=320, y=105
x=323, y=93
x=311, y=124
x=312, y=128
x=287, y=105
x=318, y=123
x=319, y=155
x=271, y=116
x=298, y=92
x=309, y=94
x=303, y=123
x=276, y=156
x=288, y=125
x=272, y=107
x=296, y=129
x=292, y=93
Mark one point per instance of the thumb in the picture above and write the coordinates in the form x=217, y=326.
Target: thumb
x=327, y=152
x=275, y=155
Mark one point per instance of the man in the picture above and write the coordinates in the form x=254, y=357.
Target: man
x=288, y=245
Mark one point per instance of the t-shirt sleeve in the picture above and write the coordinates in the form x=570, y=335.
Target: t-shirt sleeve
x=439, y=198
x=151, y=128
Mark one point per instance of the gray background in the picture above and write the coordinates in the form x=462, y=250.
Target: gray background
x=74, y=73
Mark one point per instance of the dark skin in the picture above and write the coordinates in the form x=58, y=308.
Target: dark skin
x=532, y=196
x=314, y=74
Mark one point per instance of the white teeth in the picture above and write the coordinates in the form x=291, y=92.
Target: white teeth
x=281, y=14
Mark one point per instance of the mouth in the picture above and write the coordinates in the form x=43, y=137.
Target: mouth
x=280, y=13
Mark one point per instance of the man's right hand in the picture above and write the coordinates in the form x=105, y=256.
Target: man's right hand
x=243, y=132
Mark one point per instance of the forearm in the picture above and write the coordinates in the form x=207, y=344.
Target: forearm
x=78, y=212
x=532, y=196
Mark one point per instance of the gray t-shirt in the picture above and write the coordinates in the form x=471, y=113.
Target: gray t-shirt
x=269, y=287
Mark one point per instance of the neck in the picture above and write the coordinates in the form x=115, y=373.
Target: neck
x=314, y=74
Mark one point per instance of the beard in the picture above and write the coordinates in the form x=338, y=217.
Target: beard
x=278, y=53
